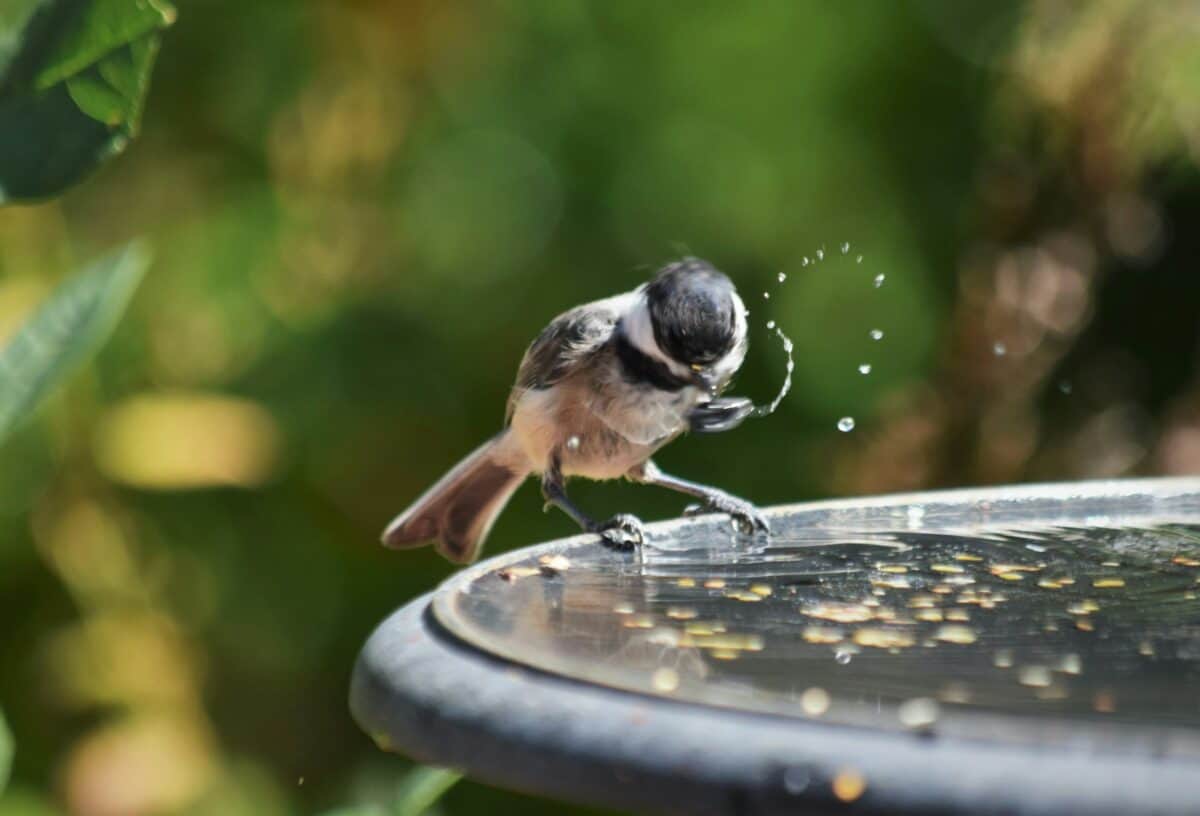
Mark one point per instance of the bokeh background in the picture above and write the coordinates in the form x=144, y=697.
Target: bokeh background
x=363, y=211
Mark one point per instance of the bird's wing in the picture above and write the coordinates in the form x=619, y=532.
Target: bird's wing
x=565, y=346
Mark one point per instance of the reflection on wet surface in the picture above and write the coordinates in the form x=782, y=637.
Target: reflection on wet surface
x=895, y=624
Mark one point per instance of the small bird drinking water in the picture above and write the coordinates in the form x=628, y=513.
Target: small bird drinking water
x=600, y=390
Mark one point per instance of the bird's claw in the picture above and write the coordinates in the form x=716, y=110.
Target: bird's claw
x=621, y=532
x=746, y=517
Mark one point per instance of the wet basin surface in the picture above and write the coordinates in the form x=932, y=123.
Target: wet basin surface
x=1014, y=617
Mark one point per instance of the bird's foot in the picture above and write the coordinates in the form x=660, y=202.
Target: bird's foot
x=621, y=532
x=746, y=517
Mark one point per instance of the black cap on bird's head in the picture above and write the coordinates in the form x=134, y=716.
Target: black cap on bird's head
x=693, y=312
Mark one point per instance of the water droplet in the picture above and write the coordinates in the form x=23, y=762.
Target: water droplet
x=876, y=334
x=782, y=276
x=999, y=349
x=846, y=424
x=770, y=324
x=858, y=259
x=879, y=279
x=573, y=443
x=820, y=254
x=843, y=657
x=796, y=780
x=865, y=368
x=766, y=295
x=845, y=247
x=804, y=261
x=1065, y=386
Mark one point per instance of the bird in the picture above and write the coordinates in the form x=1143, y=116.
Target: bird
x=600, y=390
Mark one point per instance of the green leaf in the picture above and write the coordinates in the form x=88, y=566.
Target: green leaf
x=6, y=752
x=421, y=788
x=103, y=26
x=73, y=82
x=65, y=330
x=113, y=91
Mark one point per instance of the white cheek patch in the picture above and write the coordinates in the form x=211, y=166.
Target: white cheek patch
x=640, y=333
x=728, y=365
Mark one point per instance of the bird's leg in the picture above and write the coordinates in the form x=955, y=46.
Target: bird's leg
x=621, y=532
x=741, y=510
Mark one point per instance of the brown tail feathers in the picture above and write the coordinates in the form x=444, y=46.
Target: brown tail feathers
x=457, y=513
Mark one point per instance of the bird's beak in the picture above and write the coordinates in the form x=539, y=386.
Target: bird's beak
x=705, y=379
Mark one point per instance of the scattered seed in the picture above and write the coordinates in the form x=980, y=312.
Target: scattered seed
x=849, y=785
x=1070, y=664
x=822, y=634
x=558, y=562
x=665, y=680
x=840, y=613
x=1034, y=676
x=815, y=701
x=920, y=712
x=883, y=638
x=952, y=633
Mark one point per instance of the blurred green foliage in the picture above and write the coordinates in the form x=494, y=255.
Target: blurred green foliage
x=6, y=751
x=65, y=331
x=363, y=211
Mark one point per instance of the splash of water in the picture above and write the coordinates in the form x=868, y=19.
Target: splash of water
x=788, y=348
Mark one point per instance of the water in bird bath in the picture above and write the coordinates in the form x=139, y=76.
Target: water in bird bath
x=960, y=617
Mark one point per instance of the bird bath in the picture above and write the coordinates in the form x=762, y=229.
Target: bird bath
x=1011, y=650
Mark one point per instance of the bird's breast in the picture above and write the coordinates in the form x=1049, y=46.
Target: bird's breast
x=598, y=432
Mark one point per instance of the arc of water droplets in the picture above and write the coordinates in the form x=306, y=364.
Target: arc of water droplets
x=788, y=346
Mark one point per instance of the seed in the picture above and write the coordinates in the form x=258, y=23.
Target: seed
x=1034, y=676
x=849, y=785
x=952, y=633
x=665, y=680
x=815, y=701
x=920, y=712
